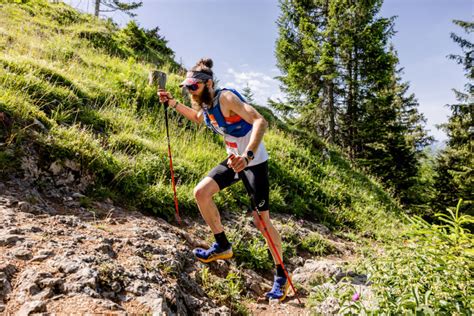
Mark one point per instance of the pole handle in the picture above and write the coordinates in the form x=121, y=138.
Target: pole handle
x=156, y=77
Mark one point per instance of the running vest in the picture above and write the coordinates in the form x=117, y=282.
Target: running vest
x=236, y=130
x=233, y=125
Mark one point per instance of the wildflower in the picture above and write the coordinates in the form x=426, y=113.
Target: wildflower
x=355, y=297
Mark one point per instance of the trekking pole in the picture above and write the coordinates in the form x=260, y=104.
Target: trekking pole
x=160, y=78
x=254, y=204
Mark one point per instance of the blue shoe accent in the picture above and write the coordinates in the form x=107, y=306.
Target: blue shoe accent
x=280, y=289
x=215, y=252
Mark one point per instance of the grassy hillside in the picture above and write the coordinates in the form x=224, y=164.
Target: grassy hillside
x=74, y=88
x=84, y=81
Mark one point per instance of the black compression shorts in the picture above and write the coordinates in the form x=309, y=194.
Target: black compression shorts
x=255, y=181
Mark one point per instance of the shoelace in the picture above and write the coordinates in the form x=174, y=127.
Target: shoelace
x=213, y=248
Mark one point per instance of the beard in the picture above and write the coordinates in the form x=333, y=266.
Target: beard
x=204, y=98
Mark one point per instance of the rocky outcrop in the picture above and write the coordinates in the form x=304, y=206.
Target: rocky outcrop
x=59, y=255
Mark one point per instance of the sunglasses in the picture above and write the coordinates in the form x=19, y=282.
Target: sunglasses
x=192, y=87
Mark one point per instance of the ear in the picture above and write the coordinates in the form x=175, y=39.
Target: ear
x=210, y=83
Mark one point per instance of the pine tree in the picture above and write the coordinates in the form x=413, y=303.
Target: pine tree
x=339, y=73
x=247, y=93
x=455, y=175
x=116, y=5
x=298, y=52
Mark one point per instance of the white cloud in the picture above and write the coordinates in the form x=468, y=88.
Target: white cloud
x=262, y=85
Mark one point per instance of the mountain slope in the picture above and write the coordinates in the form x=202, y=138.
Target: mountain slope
x=86, y=202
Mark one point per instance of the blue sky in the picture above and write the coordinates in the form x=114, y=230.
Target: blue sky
x=240, y=35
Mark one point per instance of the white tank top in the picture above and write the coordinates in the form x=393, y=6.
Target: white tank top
x=237, y=145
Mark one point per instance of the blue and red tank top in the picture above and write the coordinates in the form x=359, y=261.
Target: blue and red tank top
x=233, y=125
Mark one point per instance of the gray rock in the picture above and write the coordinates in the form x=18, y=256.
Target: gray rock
x=109, y=305
x=116, y=286
x=124, y=298
x=44, y=294
x=151, y=234
x=5, y=287
x=71, y=164
x=66, y=180
x=35, y=229
x=16, y=231
x=32, y=289
x=71, y=220
x=30, y=244
x=220, y=311
x=78, y=195
x=50, y=282
x=22, y=254
x=37, y=123
x=9, y=240
x=32, y=307
x=109, y=295
x=69, y=266
x=106, y=249
x=92, y=293
x=79, y=238
x=7, y=270
x=314, y=268
x=46, y=252
x=56, y=168
x=138, y=287
x=192, y=302
x=24, y=206
x=39, y=258
x=156, y=303
x=255, y=282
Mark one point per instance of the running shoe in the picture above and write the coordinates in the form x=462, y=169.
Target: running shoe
x=215, y=252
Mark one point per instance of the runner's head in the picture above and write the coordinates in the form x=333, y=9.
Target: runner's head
x=200, y=83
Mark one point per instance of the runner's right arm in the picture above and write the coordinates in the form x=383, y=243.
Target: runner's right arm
x=189, y=113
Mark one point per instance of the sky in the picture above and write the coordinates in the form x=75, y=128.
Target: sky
x=240, y=35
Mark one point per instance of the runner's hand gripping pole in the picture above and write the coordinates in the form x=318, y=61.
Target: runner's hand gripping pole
x=158, y=77
x=267, y=233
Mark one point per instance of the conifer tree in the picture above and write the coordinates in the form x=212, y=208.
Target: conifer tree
x=298, y=53
x=339, y=73
x=247, y=93
x=116, y=5
x=455, y=175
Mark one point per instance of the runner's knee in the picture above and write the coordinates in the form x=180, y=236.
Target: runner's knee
x=201, y=193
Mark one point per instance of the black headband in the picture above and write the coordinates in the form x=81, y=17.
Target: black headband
x=199, y=75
